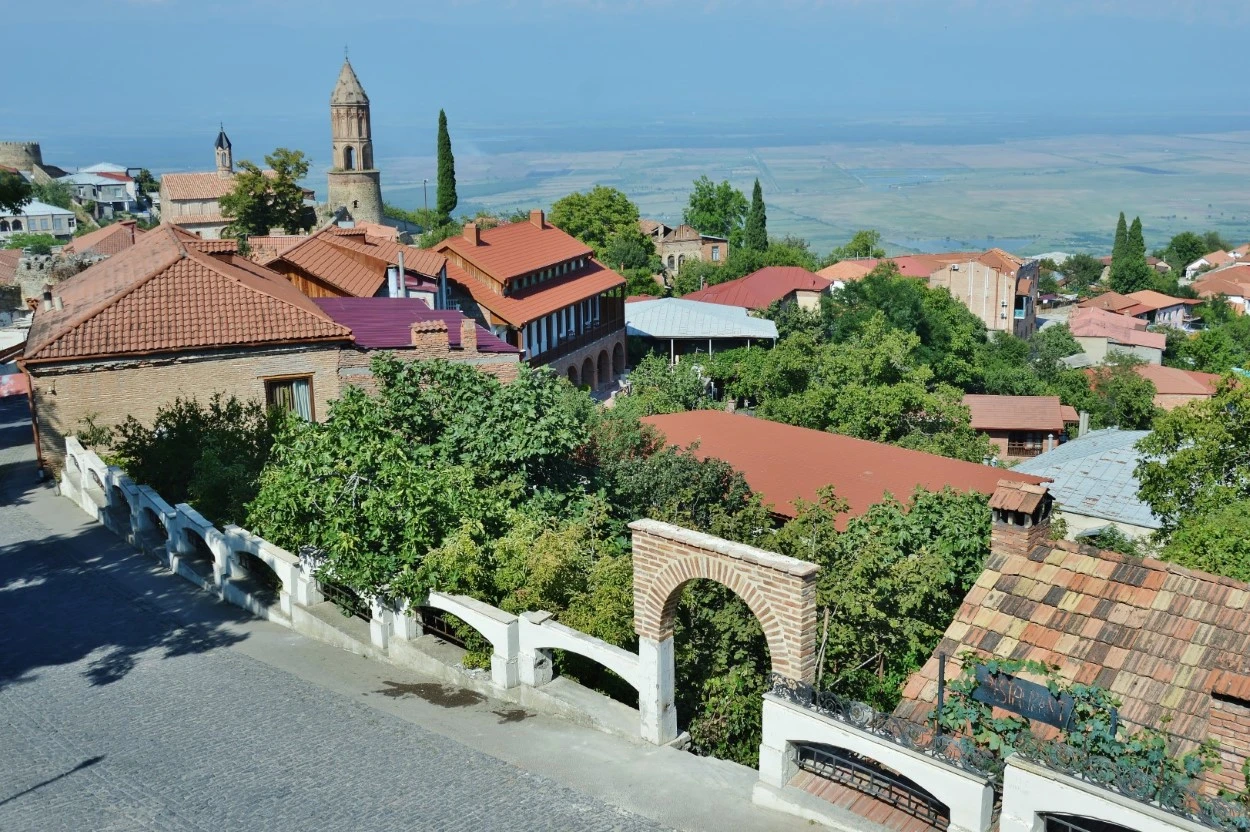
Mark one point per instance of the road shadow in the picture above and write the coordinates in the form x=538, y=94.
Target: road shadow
x=87, y=763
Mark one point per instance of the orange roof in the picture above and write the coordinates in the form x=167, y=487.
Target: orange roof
x=784, y=463
x=1001, y=261
x=1160, y=636
x=267, y=247
x=8, y=264
x=164, y=295
x=924, y=265
x=1110, y=301
x=200, y=219
x=1151, y=301
x=208, y=185
x=1043, y=413
x=517, y=248
x=1173, y=381
x=1099, y=323
x=847, y=270
x=1218, y=258
x=761, y=288
x=108, y=240
x=354, y=262
x=530, y=304
x=419, y=260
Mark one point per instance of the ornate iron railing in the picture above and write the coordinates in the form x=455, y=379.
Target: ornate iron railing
x=925, y=738
x=1180, y=798
x=868, y=777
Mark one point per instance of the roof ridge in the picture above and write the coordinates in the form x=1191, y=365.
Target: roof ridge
x=215, y=264
x=73, y=323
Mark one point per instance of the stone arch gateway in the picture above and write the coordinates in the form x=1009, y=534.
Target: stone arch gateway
x=779, y=590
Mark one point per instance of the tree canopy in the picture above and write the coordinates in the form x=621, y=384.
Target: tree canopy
x=755, y=231
x=265, y=200
x=718, y=210
x=1129, y=270
x=864, y=244
x=595, y=217
x=15, y=191
x=445, y=199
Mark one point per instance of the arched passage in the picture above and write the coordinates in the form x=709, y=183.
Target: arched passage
x=572, y=375
x=588, y=373
x=780, y=591
x=349, y=158
x=618, y=360
x=605, y=367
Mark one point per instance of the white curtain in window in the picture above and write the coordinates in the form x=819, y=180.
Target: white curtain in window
x=301, y=395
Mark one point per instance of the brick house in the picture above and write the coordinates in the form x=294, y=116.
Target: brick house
x=1021, y=426
x=677, y=245
x=997, y=287
x=762, y=288
x=179, y=316
x=542, y=291
x=1173, y=644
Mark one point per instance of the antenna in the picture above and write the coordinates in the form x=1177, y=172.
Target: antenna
x=345, y=52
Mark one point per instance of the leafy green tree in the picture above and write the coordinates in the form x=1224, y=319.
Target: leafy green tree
x=1112, y=539
x=1127, y=399
x=37, y=243
x=656, y=386
x=596, y=217
x=210, y=454
x=1130, y=272
x=15, y=191
x=755, y=232
x=714, y=209
x=1216, y=541
x=1048, y=346
x=1198, y=456
x=1183, y=249
x=55, y=193
x=1119, y=248
x=446, y=199
x=1082, y=271
x=1214, y=241
x=264, y=200
x=864, y=243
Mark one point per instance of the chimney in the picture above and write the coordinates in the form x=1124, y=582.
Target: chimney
x=538, y=218
x=472, y=234
x=47, y=297
x=57, y=303
x=429, y=336
x=468, y=334
x=1021, y=518
x=1083, y=425
x=130, y=226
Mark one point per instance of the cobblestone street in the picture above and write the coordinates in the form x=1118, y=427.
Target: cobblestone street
x=116, y=714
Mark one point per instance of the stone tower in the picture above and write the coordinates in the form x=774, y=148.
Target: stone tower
x=354, y=184
x=225, y=159
x=21, y=155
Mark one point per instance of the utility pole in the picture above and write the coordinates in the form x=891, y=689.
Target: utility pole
x=426, y=193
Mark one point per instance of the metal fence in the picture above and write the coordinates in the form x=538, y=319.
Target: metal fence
x=866, y=776
x=346, y=599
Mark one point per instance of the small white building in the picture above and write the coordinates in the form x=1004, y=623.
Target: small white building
x=107, y=185
x=38, y=218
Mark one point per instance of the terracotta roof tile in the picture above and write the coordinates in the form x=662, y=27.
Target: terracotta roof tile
x=848, y=270
x=1173, y=381
x=108, y=240
x=1150, y=300
x=1043, y=413
x=784, y=463
x=8, y=265
x=1162, y=637
x=1110, y=301
x=355, y=263
x=1098, y=323
x=530, y=304
x=163, y=295
x=207, y=185
x=516, y=249
x=762, y=288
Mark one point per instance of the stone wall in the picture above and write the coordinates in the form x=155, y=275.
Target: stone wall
x=64, y=394
x=359, y=191
x=21, y=155
x=594, y=350
x=354, y=364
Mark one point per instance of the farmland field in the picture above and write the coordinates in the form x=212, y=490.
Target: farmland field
x=1027, y=195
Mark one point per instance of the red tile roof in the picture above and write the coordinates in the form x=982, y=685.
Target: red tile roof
x=386, y=323
x=848, y=270
x=8, y=265
x=1160, y=637
x=108, y=240
x=209, y=185
x=530, y=304
x=1173, y=381
x=924, y=265
x=1151, y=301
x=1043, y=413
x=761, y=288
x=200, y=219
x=1001, y=261
x=1121, y=329
x=1110, y=301
x=516, y=249
x=784, y=463
x=164, y=295
x=354, y=262
x=419, y=260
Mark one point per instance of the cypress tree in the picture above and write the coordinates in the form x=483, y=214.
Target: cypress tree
x=446, y=199
x=755, y=232
x=1118, y=250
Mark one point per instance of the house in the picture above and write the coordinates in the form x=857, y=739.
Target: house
x=771, y=284
x=785, y=464
x=410, y=330
x=677, y=245
x=1232, y=282
x=1094, y=483
x=848, y=271
x=679, y=327
x=174, y=315
x=1175, y=387
x=192, y=200
x=542, y=291
x=1148, y=305
x=1021, y=426
x=1170, y=643
x=37, y=217
x=924, y=265
x=1100, y=332
x=1206, y=262
x=107, y=241
x=997, y=287
x=352, y=262
x=107, y=186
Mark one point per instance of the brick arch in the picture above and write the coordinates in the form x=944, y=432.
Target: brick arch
x=780, y=591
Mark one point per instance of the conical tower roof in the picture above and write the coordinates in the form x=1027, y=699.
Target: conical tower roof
x=348, y=89
x=223, y=141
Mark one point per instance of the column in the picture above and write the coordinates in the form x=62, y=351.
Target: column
x=657, y=671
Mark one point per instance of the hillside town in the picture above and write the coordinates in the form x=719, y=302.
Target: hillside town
x=914, y=541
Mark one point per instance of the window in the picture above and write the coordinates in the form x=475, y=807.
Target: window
x=70, y=221
x=291, y=393
x=17, y=225
x=715, y=253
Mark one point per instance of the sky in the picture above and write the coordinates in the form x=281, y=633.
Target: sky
x=171, y=70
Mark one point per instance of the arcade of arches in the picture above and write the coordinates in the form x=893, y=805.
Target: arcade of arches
x=598, y=366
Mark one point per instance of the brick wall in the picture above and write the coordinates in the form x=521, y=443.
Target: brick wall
x=1229, y=724
x=354, y=364
x=781, y=591
x=64, y=394
x=593, y=350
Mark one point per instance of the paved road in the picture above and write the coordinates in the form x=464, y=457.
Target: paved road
x=123, y=706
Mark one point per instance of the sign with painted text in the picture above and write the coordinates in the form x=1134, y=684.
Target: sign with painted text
x=1028, y=699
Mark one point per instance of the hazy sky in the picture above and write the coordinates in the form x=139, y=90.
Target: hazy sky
x=176, y=67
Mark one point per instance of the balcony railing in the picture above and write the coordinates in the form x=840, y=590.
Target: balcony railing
x=577, y=342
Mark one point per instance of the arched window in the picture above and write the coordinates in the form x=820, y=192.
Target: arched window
x=681, y=261
x=672, y=261
x=17, y=225
x=4, y=225
x=349, y=158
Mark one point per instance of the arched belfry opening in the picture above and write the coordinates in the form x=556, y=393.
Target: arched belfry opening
x=349, y=158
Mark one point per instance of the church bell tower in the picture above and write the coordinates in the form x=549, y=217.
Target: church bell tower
x=225, y=157
x=353, y=183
